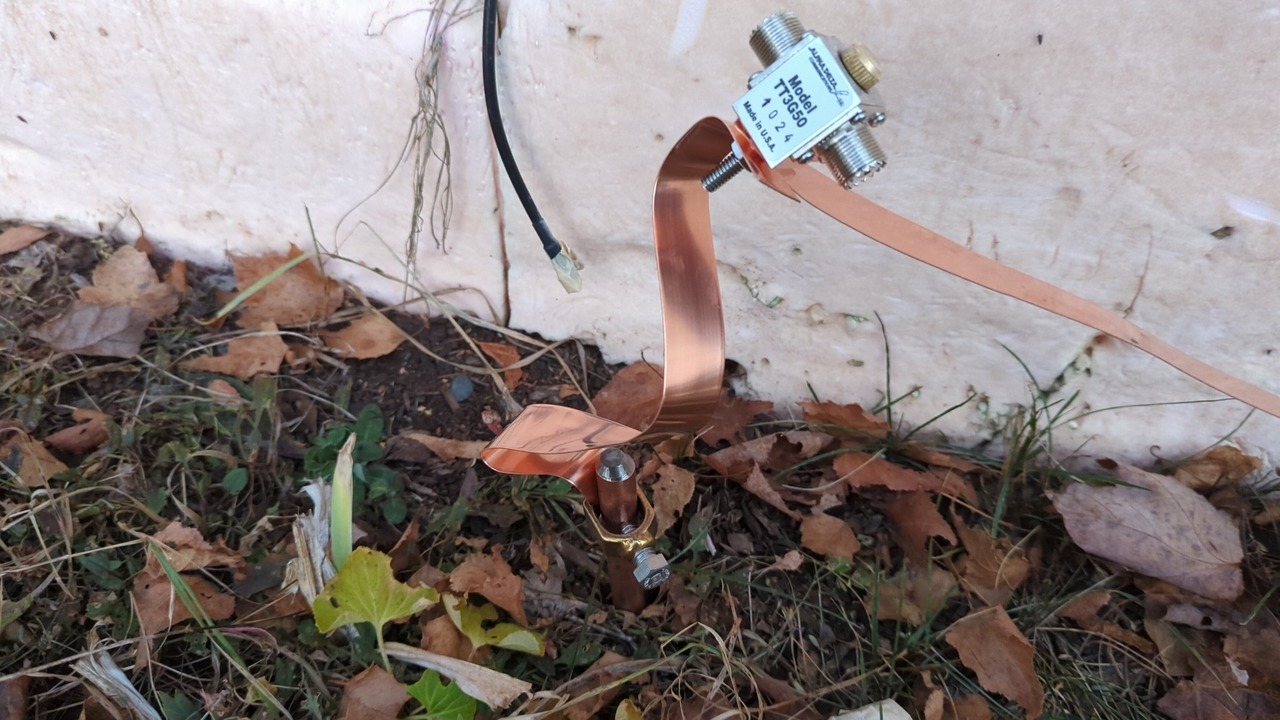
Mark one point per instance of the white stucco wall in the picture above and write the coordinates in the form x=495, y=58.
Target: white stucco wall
x=1091, y=144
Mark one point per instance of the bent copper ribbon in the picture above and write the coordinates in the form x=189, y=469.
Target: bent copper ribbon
x=560, y=441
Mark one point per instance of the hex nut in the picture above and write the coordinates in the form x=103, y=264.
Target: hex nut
x=651, y=570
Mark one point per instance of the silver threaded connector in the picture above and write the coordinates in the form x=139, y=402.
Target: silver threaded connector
x=651, y=567
x=724, y=172
x=777, y=34
x=853, y=155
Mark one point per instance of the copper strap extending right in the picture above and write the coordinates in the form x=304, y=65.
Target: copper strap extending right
x=560, y=441
x=920, y=243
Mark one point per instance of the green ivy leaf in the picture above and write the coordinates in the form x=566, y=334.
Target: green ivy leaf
x=471, y=619
x=365, y=590
x=440, y=701
x=235, y=481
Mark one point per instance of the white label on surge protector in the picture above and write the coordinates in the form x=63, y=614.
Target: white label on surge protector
x=798, y=102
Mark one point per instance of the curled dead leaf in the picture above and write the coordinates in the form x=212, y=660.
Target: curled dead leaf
x=862, y=470
x=301, y=295
x=1084, y=611
x=914, y=518
x=993, y=567
x=36, y=465
x=98, y=330
x=631, y=397
x=792, y=560
x=246, y=356
x=996, y=651
x=914, y=596
x=1157, y=526
x=371, y=336
x=374, y=694
x=186, y=549
x=16, y=238
x=731, y=415
x=1221, y=466
x=127, y=278
x=83, y=437
x=828, y=536
x=672, y=491
x=771, y=452
x=443, y=448
x=505, y=355
x=491, y=576
x=844, y=421
x=157, y=606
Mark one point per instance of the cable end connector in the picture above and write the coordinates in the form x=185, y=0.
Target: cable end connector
x=567, y=266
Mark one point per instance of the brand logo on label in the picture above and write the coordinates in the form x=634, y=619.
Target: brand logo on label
x=828, y=78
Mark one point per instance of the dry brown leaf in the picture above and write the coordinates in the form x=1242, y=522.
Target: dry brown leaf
x=92, y=329
x=156, y=603
x=246, y=356
x=915, y=518
x=538, y=555
x=937, y=458
x=844, y=421
x=1213, y=699
x=186, y=549
x=491, y=576
x=1174, y=654
x=1084, y=611
x=914, y=595
x=862, y=470
x=441, y=636
x=404, y=554
x=786, y=702
x=447, y=448
x=16, y=238
x=371, y=336
x=1161, y=528
x=632, y=396
x=828, y=536
x=771, y=452
x=757, y=484
x=223, y=391
x=672, y=491
x=505, y=355
x=967, y=707
x=81, y=438
x=1269, y=514
x=176, y=278
x=792, y=560
x=929, y=702
x=997, y=652
x=301, y=295
x=127, y=278
x=993, y=567
x=593, y=678
x=1218, y=467
x=1257, y=651
x=374, y=694
x=684, y=602
x=13, y=698
x=36, y=465
x=731, y=415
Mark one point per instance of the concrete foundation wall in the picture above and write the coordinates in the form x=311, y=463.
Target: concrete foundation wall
x=1094, y=145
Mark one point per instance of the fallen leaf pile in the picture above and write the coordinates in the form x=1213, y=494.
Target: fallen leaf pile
x=112, y=315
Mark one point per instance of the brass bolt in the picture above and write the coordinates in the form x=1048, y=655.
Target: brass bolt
x=862, y=65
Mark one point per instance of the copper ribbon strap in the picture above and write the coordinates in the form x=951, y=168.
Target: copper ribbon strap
x=560, y=441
